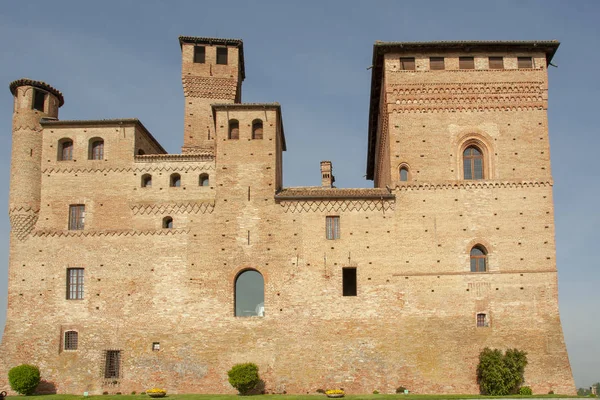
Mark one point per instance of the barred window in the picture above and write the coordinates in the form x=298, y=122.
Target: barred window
x=65, y=149
x=112, y=364
x=71, y=340
x=482, y=320
x=332, y=227
x=76, y=217
x=96, y=151
x=74, y=283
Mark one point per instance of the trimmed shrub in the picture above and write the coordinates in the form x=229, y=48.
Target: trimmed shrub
x=321, y=391
x=501, y=374
x=400, y=389
x=244, y=377
x=551, y=392
x=24, y=378
x=375, y=391
x=525, y=391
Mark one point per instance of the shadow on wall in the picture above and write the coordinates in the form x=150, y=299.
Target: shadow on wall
x=45, y=387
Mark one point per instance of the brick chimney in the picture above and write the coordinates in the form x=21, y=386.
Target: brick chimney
x=327, y=177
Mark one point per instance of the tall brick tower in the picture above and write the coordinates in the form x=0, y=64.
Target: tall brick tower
x=33, y=100
x=212, y=72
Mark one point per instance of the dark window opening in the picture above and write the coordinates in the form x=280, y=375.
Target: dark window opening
x=332, y=227
x=234, y=129
x=71, y=339
x=96, y=149
x=74, y=283
x=76, y=217
x=496, y=62
x=407, y=63
x=112, y=364
x=146, y=180
x=39, y=99
x=155, y=346
x=167, y=223
x=175, y=180
x=203, y=180
x=403, y=174
x=436, y=63
x=199, y=54
x=349, y=281
x=257, y=129
x=222, y=55
x=141, y=152
x=250, y=294
x=65, y=150
x=473, y=163
x=466, y=62
x=482, y=320
x=478, y=259
x=524, y=62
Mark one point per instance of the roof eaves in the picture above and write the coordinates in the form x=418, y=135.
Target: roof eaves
x=37, y=84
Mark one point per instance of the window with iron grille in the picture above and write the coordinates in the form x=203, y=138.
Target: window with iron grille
x=74, y=283
x=199, y=54
x=496, y=62
x=524, y=62
x=96, y=149
x=407, y=63
x=436, y=63
x=112, y=364
x=222, y=55
x=39, y=98
x=332, y=227
x=65, y=150
x=76, y=217
x=71, y=340
x=466, y=63
x=482, y=320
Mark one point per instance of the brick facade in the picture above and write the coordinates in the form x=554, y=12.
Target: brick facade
x=414, y=319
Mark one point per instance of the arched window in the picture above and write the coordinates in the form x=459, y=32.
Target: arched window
x=96, y=149
x=203, y=180
x=478, y=259
x=250, y=294
x=167, y=223
x=175, y=180
x=403, y=174
x=257, y=129
x=234, y=129
x=146, y=180
x=141, y=152
x=71, y=340
x=65, y=149
x=473, y=163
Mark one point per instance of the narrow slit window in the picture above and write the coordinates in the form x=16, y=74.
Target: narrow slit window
x=466, y=63
x=199, y=54
x=39, y=99
x=349, y=281
x=496, y=62
x=74, y=283
x=76, y=217
x=524, y=62
x=407, y=63
x=436, y=63
x=332, y=227
x=222, y=55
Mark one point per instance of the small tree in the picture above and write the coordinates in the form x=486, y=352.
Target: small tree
x=501, y=374
x=244, y=377
x=24, y=378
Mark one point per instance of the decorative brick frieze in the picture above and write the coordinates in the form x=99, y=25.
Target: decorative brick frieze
x=173, y=208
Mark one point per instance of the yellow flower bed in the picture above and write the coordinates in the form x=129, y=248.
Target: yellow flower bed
x=156, y=390
x=334, y=391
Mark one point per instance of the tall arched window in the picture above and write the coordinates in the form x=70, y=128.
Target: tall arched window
x=146, y=180
x=403, y=174
x=478, y=259
x=234, y=129
x=473, y=163
x=257, y=129
x=175, y=180
x=71, y=340
x=167, y=223
x=203, y=180
x=96, y=150
x=249, y=294
x=65, y=149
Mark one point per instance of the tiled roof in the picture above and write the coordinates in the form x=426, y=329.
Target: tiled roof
x=38, y=84
x=218, y=41
x=298, y=193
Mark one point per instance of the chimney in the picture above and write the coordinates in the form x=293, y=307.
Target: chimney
x=327, y=177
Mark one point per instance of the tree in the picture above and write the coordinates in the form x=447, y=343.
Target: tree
x=501, y=374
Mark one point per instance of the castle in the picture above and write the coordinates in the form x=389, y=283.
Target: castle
x=132, y=268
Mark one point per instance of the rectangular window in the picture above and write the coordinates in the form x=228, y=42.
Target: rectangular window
x=71, y=340
x=39, y=98
x=496, y=62
x=222, y=55
x=524, y=62
x=332, y=227
x=74, y=283
x=199, y=54
x=76, y=217
x=481, y=321
x=349, y=281
x=466, y=63
x=407, y=63
x=436, y=63
x=112, y=364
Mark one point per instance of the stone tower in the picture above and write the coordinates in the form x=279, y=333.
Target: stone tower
x=33, y=100
x=212, y=71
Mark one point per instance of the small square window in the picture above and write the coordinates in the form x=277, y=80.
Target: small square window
x=482, y=321
x=199, y=54
x=222, y=55
x=349, y=281
x=496, y=62
x=524, y=62
x=436, y=63
x=466, y=63
x=39, y=99
x=155, y=346
x=332, y=227
x=407, y=63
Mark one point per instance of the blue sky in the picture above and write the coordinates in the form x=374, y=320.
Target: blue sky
x=119, y=59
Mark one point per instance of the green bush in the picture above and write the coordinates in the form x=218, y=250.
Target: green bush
x=375, y=391
x=400, y=389
x=24, y=378
x=501, y=374
x=244, y=377
x=525, y=391
x=321, y=391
